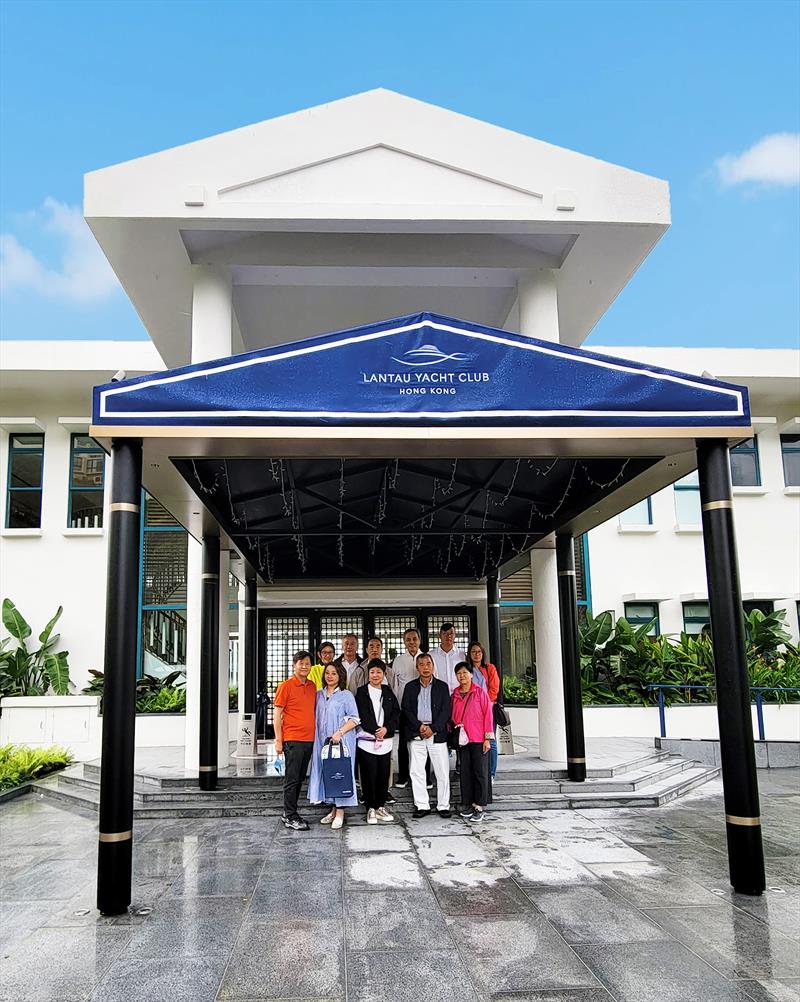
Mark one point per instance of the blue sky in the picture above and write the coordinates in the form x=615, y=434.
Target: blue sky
x=665, y=88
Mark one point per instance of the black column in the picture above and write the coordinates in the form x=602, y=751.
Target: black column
x=209, y=664
x=119, y=692
x=250, y=644
x=493, y=610
x=740, y=784
x=570, y=656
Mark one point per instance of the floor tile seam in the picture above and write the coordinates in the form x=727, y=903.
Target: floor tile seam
x=772, y=932
x=708, y=963
x=568, y=945
x=443, y=917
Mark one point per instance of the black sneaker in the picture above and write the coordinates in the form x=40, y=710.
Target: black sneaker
x=401, y=784
x=419, y=813
x=296, y=824
x=477, y=817
x=445, y=814
x=466, y=812
x=390, y=799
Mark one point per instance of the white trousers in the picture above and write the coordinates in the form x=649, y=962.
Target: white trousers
x=418, y=754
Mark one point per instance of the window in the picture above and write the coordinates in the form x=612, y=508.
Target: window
x=87, y=464
x=639, y=613
x=763, y=605
x=687, y=500
x=163, y=592
x=639, y=514
x=695, y=617
x=745, y=467
x=790, y=450
x=24, y=496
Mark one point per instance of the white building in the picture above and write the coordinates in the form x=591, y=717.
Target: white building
x=364, y=209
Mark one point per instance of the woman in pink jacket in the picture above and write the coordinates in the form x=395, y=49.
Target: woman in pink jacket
x=471, y=713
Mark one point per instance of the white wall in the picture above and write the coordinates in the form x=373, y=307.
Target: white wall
x=57, y=565
x=666, y=563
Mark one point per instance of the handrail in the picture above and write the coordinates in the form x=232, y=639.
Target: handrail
x=757, y=689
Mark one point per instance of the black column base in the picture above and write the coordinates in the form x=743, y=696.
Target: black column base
x=576, y=771
x=207, y=779
x=114, y=863
x=746, y=859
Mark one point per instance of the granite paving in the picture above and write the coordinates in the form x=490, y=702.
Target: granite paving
x=594, y=905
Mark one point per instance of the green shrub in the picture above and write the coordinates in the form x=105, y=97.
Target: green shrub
x=233, y=699
x=20, y=764
x=24, y=672
x=619, y=662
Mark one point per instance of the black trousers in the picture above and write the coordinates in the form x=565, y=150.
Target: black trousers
x=375, y=773
x=474, y=774
x=297, y=755
x=402, y=755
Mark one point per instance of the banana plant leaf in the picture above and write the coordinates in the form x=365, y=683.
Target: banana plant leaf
x=13, y=621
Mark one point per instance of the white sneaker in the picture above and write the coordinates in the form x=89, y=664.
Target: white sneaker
x=328, y=818
x=372, y=816
x=338, y=821
x=383, y=815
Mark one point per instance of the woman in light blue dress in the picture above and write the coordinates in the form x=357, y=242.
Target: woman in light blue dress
x=336, y=721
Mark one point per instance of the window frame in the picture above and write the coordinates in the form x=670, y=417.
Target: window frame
x=678, y=488
x=744, y=450
x=10, y=489
x=649, y=502
x=694, y=620
x=72, y=489
x=640, y=621
x=787, y=449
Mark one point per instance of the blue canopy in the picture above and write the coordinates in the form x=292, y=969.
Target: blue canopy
x=417, y=370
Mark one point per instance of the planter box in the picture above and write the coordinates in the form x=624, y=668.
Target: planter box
x=74, y=722
x=781, y=721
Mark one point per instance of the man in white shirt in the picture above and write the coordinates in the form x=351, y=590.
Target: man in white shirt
x=404, y=667
x=348, y=659
x=446, y=657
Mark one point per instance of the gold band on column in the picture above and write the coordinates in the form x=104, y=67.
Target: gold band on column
x=124, y=506
x=210, y=577
x=566, y=574
x=734, y=819
x=206, y=768
x=115, y=836
x=576, y=761
x=714, y=505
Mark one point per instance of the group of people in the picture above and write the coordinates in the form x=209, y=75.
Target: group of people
x=366, y=712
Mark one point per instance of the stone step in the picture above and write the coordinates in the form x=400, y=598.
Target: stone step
x=77, y=791
x=91, y=771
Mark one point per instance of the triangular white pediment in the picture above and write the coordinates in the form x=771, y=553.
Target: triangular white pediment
x=380, y=174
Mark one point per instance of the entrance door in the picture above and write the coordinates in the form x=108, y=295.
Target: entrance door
x=282, y=633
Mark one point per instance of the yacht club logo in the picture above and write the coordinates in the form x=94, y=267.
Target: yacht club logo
x=429, y=354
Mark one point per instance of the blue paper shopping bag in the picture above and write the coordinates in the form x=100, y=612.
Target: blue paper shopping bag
x=337, y=772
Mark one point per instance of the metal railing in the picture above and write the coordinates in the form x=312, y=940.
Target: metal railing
x=759, y=701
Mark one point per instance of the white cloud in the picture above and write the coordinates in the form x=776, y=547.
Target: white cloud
x=83, y=275
x=773, y=161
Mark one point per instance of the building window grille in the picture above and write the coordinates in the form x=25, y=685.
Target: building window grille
x=790, y=451
x=640, y=613
x=162, y=635
x=390, y=628
x=687, y=500
x=87, y=463
x=695, y=617
x=638, y=514
x=24, y=487
x=333, y=628
x=745, y=465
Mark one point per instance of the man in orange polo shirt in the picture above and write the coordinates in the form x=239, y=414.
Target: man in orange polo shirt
x=295, y=701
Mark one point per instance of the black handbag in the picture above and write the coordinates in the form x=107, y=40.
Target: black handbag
x=501, y=717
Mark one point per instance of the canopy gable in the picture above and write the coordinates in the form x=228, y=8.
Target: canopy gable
x=422, y=369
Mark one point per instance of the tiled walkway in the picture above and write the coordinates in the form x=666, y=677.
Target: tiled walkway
x=553, y=906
